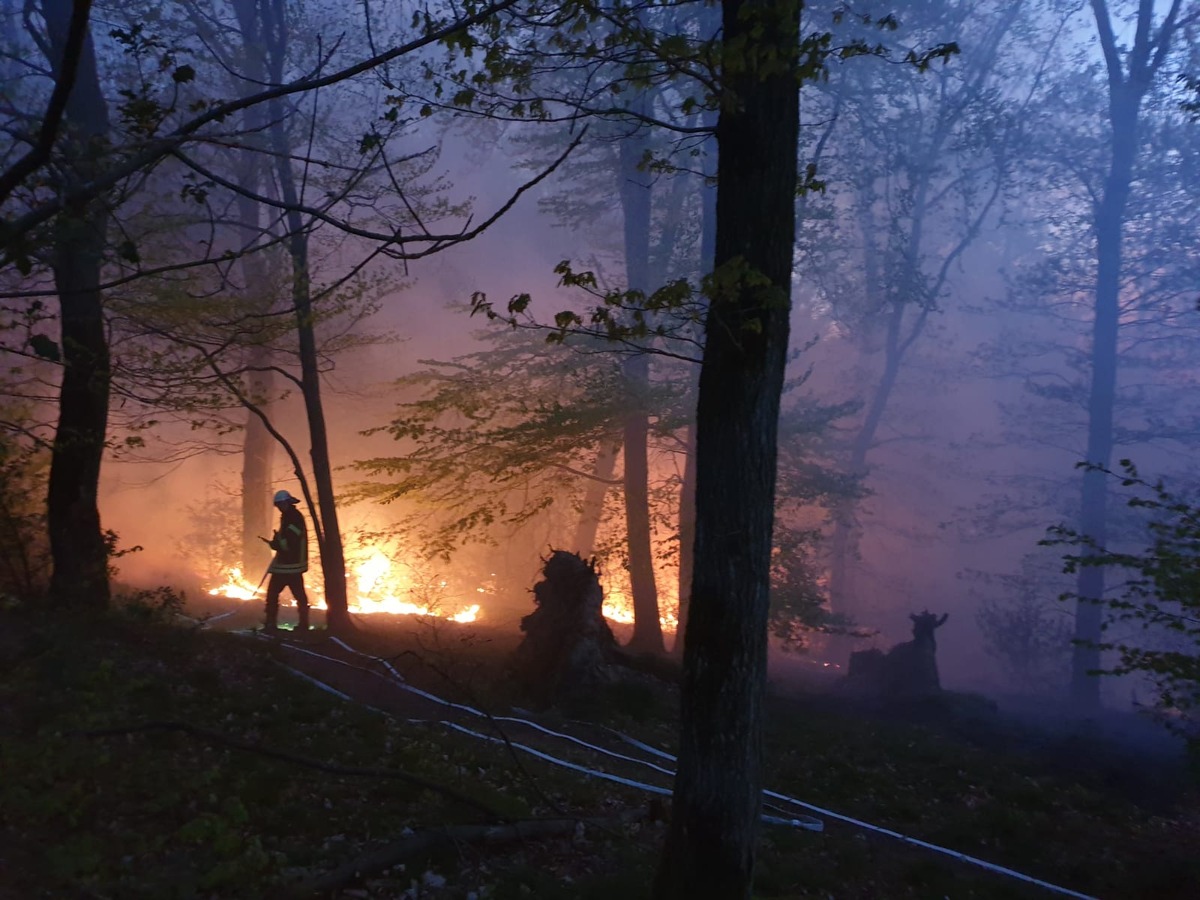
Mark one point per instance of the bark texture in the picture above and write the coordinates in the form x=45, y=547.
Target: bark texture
x=77, y=542
x=710, y=850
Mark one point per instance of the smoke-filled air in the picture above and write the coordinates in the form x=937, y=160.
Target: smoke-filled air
x=708, y=449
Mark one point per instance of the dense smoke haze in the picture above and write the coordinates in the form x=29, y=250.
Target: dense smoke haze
x=951, y=337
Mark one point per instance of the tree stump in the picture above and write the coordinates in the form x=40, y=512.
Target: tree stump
x=568, y=648
x=906, y=672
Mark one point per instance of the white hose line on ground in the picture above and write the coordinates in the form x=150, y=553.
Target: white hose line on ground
x=808, y=823
x=322, y=685
x=661, y=754
x=917, y=842
x=527, y=722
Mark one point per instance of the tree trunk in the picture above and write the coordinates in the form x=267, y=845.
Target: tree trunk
x=710, y=847
x=1125, y=93
x=257, y=453
x=635, y=203
x=325, y=517
x=647, y=629
x=593, y=499
x=844, y=542
x=257, y=442
x=1093, y=514
x=77, y=543
x=687, y=537
x=687, y=489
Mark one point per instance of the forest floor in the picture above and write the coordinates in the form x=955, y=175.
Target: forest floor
x=144, y=756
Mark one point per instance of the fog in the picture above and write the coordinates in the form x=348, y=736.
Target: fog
x=947, y=361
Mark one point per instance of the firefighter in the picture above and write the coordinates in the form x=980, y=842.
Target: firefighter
x=287, y=569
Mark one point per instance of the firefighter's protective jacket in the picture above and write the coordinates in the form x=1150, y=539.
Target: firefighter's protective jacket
x=290, y=544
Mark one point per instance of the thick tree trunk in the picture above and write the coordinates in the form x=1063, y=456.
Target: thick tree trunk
x=77, y=544
x=635, y=203
x=710, y=847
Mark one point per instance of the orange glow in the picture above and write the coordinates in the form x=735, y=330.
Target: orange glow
x=235, y=587
x=618, y=606
x=377, y=586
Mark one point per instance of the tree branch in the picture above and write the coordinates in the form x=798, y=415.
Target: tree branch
x=39, y=154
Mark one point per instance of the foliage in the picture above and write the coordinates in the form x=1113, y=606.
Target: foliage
x=213, y=541
x=499, y=437
x=809, y=483
x=1023, y=629
x=1160, y=595
x=160, y=604
x=24, y=548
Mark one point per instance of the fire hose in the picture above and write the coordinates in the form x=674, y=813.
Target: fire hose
x=805, y=822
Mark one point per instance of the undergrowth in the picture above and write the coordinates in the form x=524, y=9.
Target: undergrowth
x=137, y=763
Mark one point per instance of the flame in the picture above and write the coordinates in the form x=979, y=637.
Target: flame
x=236, y=587
x=378, y=588
x=618, y=607
x=379, y=585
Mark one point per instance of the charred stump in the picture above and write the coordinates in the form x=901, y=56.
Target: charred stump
x=908, y=671
x=568, y=648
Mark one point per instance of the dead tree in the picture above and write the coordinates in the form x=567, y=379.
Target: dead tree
x=568, y=646
x=906, y=672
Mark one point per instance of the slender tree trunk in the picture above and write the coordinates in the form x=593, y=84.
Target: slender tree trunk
x=687, y=536
x=1093, y=515
x=257, y=443
x=844, y=541
x=687, y=489
x=647, y=629
x=635, y=203
x=593, y=499
x=257, y=458
x=1130, y=75
x=325, y=517
x=77, y=543
x=710, y=847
